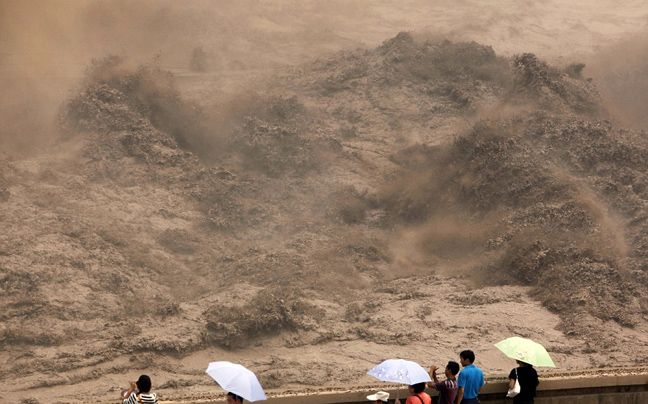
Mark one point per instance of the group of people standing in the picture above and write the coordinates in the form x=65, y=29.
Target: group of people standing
x=466, y=387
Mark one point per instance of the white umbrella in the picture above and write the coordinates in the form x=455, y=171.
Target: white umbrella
x=236, y=379
x=400, y=371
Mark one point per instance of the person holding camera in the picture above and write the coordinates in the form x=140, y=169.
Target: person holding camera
x=139, y=392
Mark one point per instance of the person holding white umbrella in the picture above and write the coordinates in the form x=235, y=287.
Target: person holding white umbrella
x=239, y=382
x=417, y=395
x=233, y=398
x=405, y=372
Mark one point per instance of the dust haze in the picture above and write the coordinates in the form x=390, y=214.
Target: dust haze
x=45, y=48
x=292, y=184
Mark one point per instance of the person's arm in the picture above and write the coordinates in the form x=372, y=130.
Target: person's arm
x=433, y=376
x=512, y=378
x=127, y=393
x=460, y=395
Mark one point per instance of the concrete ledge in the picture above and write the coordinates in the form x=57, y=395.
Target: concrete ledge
x=599, y=387
x=570, y=383
x=631, y=389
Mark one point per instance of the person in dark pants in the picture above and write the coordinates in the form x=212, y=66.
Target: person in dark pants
x=528, y=378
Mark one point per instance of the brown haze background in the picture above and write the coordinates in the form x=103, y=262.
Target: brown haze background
x=338, y=330
x=45, y=47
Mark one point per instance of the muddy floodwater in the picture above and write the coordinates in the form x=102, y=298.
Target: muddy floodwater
x=310, y=188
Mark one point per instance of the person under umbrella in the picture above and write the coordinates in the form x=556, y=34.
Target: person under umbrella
x=417, y=395
x=239, y=382
x=405, y=372
x=527, y=353
x=233, y=398
x=527, y=376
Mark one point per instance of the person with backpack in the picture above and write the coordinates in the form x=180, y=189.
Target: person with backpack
x=418, y=395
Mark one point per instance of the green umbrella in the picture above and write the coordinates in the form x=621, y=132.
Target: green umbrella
x=525, y=350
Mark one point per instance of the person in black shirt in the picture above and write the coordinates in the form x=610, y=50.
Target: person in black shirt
x=528, y=378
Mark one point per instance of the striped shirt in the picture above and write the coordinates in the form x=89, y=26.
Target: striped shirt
x=150, y=398
x=447, y=391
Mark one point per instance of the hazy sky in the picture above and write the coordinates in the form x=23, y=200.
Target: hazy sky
x=45, y=45
x=58, y=36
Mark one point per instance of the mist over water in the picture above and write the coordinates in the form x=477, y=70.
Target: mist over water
x=45, y=47
x=621, y=74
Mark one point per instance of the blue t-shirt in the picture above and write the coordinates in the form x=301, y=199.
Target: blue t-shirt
x=471, y=378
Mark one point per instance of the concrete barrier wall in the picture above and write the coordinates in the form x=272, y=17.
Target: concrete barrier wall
x=612, y=398
x=629, y=389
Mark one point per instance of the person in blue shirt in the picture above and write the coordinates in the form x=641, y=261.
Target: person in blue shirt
x=470, y=380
